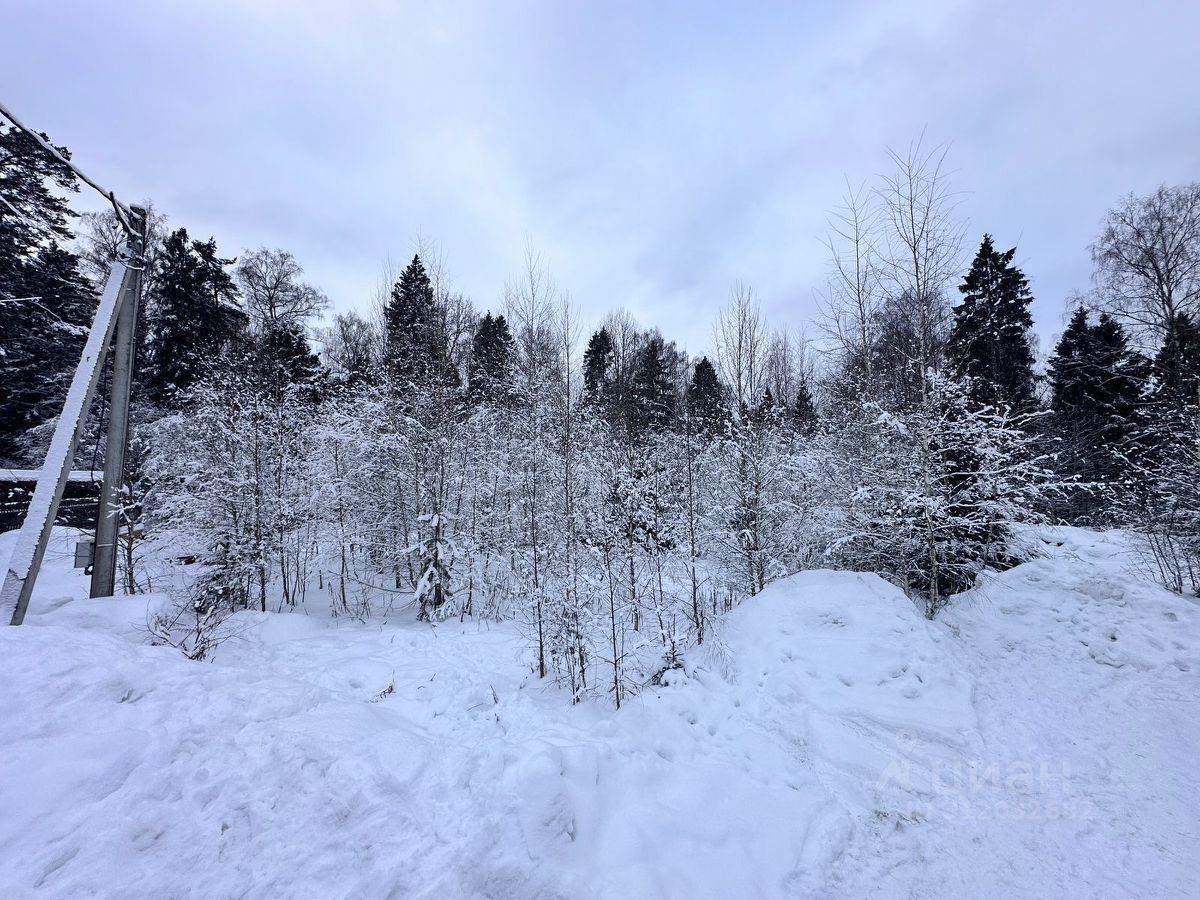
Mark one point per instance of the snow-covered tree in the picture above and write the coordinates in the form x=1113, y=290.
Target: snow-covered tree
x=989, y=340
x=1096, y=401
x=194, y=320
x=938, y=490
x=46, y=299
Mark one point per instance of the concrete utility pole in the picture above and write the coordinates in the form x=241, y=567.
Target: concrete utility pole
x=34, y=535
x=118, y=299
x=108, y=516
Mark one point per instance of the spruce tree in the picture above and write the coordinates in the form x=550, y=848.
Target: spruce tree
x=1067, y=368
x=46, y=301
x=705, y=403
x=766, y=410
x=416, y=348
x=1096, y=387
x=804, y=411
x=1177, y=364
x=491, y=377
x=597, y=364
x=652, y=406
x=193, y=316
x=1162, y=502
x=287, y=361
x=35, y=213
x=988, y=342
x=43, y=335
x=1115, y=379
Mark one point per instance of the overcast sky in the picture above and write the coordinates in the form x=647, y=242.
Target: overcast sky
x=654, y=152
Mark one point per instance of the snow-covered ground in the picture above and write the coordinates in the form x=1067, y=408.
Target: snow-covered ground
x=1040, y=740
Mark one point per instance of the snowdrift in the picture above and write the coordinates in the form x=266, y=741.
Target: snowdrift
x=1039, y=740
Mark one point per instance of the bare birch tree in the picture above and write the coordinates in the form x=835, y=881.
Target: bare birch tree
x=740, y=344
x=1147, y=260
x=848, y=312
x=530, y=304
x=923, y=243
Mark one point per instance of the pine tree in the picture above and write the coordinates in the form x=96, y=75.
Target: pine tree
x=46, y=301
x=194, y=317
x=706, y=405
x=989, y=339
x=491, y=376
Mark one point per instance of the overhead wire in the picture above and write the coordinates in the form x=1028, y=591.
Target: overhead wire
x=125, y=215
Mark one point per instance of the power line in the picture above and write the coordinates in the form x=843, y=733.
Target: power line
x=124, y=213
x=116, y=315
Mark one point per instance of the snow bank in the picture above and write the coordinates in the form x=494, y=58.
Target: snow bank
x=812, y=750
x=58, y=581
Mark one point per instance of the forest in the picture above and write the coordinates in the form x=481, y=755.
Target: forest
x=612, y=493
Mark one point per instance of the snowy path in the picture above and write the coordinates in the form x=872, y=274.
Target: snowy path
x=826, y=750
x=1096, y=677
x=1080, y=783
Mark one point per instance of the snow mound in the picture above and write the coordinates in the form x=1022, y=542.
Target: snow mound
x=853, y=649
x=1085, y=685
x=829, y=742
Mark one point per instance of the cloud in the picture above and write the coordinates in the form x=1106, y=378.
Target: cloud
x=655, y=152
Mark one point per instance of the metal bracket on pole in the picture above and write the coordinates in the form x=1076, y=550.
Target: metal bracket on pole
x=108, y=516
x=43, y=506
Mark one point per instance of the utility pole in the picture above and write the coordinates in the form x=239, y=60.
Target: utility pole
x=108, y=516
x=34, y=535
x=119, y=299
